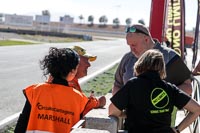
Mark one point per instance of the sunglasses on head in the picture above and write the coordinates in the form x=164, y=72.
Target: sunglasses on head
x=134, y=30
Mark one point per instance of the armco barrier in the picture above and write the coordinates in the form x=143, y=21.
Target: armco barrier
x=98, y=119
x=46, y=33
x=85, y=130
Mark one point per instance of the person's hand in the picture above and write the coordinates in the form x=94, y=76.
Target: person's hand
x=102, y=101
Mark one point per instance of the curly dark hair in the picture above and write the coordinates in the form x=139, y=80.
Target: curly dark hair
x=59, y=62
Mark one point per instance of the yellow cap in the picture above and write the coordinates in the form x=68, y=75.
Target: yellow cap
x=81, y=51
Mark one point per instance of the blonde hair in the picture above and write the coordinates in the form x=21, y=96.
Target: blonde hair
x=151, y=60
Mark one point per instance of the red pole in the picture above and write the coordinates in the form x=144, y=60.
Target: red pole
x=157, y=19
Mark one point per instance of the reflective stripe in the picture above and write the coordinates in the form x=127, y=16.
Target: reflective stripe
x=37, y=131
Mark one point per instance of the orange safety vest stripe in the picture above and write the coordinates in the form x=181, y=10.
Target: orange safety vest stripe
x=54, y=108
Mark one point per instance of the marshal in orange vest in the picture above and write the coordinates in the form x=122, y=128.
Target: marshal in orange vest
x=54, y=108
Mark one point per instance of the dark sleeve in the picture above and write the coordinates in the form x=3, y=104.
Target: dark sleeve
x=177, y=71
x=180, y=98
x=23, y=119
x=121, y=98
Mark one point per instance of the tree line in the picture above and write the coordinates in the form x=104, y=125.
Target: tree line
x=103, y=20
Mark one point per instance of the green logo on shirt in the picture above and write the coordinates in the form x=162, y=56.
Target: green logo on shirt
x=159, y=98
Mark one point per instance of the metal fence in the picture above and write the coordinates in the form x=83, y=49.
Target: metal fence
x=195, y=126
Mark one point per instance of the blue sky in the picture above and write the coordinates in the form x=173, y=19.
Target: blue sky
x=135, y=9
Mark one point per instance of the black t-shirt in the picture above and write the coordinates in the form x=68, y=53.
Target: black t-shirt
x=149, y=102
x=177, y=71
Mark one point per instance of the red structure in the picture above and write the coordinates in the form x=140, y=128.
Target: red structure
x=157, y=18
x=167, y=21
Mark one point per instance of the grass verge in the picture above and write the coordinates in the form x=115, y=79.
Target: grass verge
x=12, y=43
x=38, y=39
x=51, y=39
x=102, y=84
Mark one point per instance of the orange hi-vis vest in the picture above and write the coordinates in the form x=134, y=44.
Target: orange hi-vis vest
x=92, y=101
x=54, y=108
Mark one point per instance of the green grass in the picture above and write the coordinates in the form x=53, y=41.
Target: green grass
x=12, y=43
x=40, y=39
x=51, y=39
x=102, y=84
x=9, y=129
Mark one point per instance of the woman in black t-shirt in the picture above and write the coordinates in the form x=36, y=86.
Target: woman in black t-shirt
x=149, y=100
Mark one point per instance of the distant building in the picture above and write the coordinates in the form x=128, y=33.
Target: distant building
x=67, y=19
x=18, y=20
x=43, y=19
x=1, y=18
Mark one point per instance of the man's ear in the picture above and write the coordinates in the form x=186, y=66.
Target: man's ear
x=146, y=39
